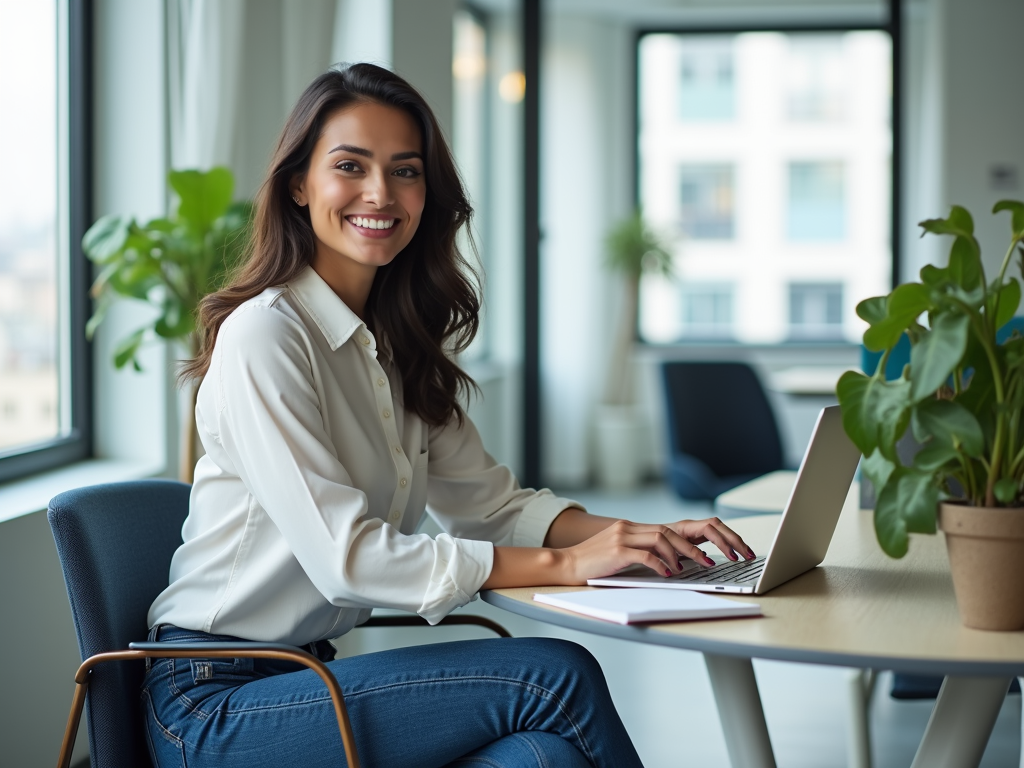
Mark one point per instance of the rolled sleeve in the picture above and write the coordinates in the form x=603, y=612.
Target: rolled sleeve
x=536, y=518
x=461, y=569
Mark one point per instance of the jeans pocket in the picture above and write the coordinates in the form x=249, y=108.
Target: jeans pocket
x=222, y=670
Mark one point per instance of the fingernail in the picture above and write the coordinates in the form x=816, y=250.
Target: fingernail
x=750, y=554
x=680, y=564
x=708, y=560
x=668, y=572
x=732, y=556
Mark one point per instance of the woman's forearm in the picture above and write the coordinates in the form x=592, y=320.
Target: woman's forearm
x=528, y=567
x=574, y=526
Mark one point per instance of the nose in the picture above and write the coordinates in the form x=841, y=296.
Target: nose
x=377, y=190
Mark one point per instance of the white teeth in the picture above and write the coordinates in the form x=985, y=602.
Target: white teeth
x=365, y=223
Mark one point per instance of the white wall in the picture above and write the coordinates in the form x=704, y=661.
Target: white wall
x=586, y=185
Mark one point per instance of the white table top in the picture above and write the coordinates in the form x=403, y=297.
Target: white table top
x=859, y=608
x=815, y=380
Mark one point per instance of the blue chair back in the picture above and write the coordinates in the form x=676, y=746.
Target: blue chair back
x=719, y=414
x=115, y=544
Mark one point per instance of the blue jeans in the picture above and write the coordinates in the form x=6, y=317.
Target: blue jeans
x=497, y=703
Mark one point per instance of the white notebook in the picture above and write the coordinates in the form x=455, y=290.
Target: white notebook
x=630, y=606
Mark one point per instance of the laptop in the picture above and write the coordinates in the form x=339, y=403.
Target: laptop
x=803, y=536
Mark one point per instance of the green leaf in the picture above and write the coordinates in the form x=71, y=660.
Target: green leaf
x=872, y=310
x=877, y=468
x=938, y=352
x=1009, y=301
x=934, y=456
x=932, y=275
x=903, y=307
x=125, y=351
x=890, y=527
x=105, y=238
x=965, y=264
x=948, y=423
x=960, y=218
x=1005, y=490
x=203, y=196
x=907, y=504
x=850, y=391
x=886, y=413
x=1017, y=212
x=918, y=498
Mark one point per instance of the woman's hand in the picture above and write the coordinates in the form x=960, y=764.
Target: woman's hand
x=657, y=547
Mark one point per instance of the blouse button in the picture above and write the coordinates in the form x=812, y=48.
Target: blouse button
x=365, y=340
x=398, y=449
x=387, y=414
x=380, y=382
x=395, y=515
x=403, y=482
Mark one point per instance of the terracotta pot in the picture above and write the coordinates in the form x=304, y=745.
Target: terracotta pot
x=986, y=557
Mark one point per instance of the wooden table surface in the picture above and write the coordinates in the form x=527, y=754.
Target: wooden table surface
x=859, y=608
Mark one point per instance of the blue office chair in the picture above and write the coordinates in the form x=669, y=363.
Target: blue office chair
x=722, y=431
x=115, y=544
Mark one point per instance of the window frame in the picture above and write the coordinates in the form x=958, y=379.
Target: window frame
x=77, y=443
x=893, y=27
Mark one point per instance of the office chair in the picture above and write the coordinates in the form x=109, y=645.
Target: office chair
x=722, y=431
x=115, y=544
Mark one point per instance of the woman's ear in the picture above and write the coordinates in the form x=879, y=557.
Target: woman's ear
x=295, y=189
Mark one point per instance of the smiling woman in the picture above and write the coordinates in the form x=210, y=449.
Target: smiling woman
x=330, y=415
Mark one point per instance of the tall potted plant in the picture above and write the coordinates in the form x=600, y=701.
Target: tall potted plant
x=632, y=249
x=171, y=264
x=962, y=395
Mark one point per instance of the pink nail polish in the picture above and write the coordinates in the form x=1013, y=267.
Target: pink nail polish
x=708, y=560
x=668, y=572
x=750, y=553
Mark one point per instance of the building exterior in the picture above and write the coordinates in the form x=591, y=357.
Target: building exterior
x=766, y=159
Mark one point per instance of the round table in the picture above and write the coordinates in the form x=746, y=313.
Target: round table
x=858, y=609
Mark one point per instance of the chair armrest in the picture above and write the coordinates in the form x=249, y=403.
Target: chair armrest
x=419, y=621
x=157, y=650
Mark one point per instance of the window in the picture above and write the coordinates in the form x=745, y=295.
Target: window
x=707, y=311
x=815, y=311
x=706, y=79
x=706, y=201
x=816, y=77
x=43, y=407
x=755, y=176
x=816, y=208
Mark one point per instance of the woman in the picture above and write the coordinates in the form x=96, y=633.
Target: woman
x=330, y=417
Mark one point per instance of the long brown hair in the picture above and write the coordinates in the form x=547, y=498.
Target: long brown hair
x=424, y=303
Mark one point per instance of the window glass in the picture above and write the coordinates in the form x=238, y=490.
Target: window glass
x=706, y=79
x=815, y=310
x=30, y=299
x=706, y=201
x=816, y=201
x=770, y=177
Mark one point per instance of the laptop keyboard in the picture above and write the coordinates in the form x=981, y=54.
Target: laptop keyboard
x=744, y=571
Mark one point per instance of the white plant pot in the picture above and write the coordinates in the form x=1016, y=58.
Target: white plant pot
x=619, y=437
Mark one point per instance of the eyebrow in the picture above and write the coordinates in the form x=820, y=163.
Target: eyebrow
x=367, y=153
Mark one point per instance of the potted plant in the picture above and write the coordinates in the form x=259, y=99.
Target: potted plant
x=962, y=396
x=632, y=249
x=171, y=264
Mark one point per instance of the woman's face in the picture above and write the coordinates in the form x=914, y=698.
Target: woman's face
x=365, y=190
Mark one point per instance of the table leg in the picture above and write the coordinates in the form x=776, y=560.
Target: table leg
x=961, y=722
x=739, y=709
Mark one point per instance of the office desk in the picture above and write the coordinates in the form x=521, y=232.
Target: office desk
x=859, y=609
x=763, y=495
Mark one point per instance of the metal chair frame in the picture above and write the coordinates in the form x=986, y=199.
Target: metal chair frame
x=147, y=650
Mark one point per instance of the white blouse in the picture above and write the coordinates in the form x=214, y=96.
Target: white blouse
x=304, y=509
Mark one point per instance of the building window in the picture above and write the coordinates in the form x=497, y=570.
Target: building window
x=816, y=76
x=707, y=311
x=706, y=201
x=43, y=368
x=815, y=311
x=816, y=201
x=706, y=75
